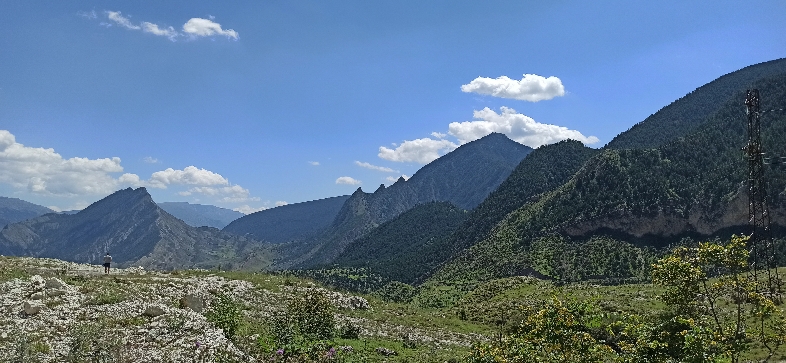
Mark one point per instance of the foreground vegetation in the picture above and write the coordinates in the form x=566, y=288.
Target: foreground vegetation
x=701, y=307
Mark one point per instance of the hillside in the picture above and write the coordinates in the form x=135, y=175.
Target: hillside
x=463, y=177
x=684, y=115
x=403, y=248
x=200, y=215
x=14, y=210
x=291, y=222
x=690, y=187
x=132, y=228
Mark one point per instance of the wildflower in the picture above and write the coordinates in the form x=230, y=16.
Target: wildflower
x=331, y=352
x=280, y=351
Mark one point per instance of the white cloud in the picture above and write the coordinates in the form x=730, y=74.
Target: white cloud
x=228, y=194
x=393, y=179
x=421, y=151
x=531, y=88
x=281, y=203
x=374, y=167
x=43, y=171
x=314, y=163
x=348, y=180
x=168, y=32
x=518, y=127
x=438, y=135
x=246, y=209
x=194, y=27
x=150, y=160
x=199, y=27
x=190, y=175
x=121, y=20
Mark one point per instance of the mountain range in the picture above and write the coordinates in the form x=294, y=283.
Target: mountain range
x=199, y=215
x=14, y=210
x=491, y=208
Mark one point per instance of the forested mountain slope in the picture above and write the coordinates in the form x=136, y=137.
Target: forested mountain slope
x=14, y=210
x=130, y=226
x=403, y=248
x=691, y=186
x=291, y=222
x=684, y=115
x=200, y=215
x=463, y=177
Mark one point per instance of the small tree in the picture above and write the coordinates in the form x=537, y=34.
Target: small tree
x=709, y=288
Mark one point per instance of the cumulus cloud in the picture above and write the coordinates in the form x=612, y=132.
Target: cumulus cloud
x=246, y=209
x=531, y=88
x=154, y=29
x=190, y=175
x=521, y=128
x=121, y=20
x=439, y=135
x=348, y=180
x=199, y=27
x=421, y=151
x=281, y=203
x=374, y=167
x=227, y=194
x=150, y=160
x=43, y=171
x=314, y=163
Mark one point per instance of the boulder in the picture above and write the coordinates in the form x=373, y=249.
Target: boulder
x=37, y=296
x=33, y=307
x=153, y=311
x=54, y=283
x=192, y=302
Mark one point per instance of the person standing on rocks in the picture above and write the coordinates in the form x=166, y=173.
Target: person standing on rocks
x=107, y=262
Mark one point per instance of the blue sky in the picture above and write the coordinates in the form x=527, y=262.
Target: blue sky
x=248, y=104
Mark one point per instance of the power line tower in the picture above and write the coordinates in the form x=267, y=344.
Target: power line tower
x=762, y=248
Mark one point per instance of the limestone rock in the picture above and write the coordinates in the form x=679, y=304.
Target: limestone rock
x=33, y=307
x=37, y=296
x=153, y=311
x=192, y=302
x=54, y=283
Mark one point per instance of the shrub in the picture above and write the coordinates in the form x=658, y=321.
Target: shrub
x=225, y=314
x=312, y=313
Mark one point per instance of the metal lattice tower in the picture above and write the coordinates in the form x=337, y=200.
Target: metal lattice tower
x=762, y=248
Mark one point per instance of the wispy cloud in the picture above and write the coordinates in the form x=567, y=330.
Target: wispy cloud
x=119, y=19
x=531, y=88
x=192, y=29
x=375, y=167
x=314, y=163
x=348, y=180
x=150, y=160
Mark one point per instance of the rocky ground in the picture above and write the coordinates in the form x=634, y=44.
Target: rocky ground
x=56, y=311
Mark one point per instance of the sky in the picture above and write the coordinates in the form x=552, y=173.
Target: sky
x=248, y=105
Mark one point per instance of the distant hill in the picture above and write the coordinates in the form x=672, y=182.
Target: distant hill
x=463, y=177
x=199, y=215
x=14, y=210
x=684, y=115
x=291, y=222
x=692, y=186
x=133, y=229
x=403, y=248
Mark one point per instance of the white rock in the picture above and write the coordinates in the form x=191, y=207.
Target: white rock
x=54, y=283
x=37, y=296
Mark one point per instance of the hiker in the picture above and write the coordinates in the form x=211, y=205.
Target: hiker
x=107, y=261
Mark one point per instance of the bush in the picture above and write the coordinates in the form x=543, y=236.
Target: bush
x=225, y=315
x=312, y=313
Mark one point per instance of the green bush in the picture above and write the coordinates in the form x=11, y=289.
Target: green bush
x=225, y=314
x=312, y=313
